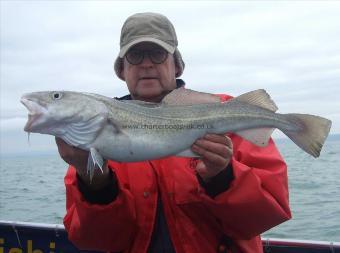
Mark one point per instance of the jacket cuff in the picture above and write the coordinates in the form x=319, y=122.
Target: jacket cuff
x=102, y=196
x=219, y=183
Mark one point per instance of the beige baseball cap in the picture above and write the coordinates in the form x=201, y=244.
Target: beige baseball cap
x=148, y=27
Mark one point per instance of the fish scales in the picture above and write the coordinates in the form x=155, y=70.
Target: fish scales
x=226, y=113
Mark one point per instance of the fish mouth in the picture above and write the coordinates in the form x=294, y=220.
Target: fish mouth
x=35, y=111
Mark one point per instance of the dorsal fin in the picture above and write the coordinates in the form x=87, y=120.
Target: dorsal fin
x=183, y=96
x=257, y=97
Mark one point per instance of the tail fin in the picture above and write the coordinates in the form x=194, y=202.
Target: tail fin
x=313, y=134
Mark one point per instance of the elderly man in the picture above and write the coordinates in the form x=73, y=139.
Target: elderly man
x=218, y=203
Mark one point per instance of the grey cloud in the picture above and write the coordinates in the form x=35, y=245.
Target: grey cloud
x=288, y=48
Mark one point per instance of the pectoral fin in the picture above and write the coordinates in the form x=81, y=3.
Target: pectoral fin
x=95, y=160
x=82, y=133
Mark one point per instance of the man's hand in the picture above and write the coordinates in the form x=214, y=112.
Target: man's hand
x=72, y=155
x=78, y=159
x=216, y=152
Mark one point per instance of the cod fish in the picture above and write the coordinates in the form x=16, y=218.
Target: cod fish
x=130, y=131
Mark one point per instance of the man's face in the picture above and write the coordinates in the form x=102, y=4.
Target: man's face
x=149, y=81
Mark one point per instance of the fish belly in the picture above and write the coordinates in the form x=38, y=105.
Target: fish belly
x=137, y=145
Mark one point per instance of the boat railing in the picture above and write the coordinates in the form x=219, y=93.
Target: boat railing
x=52, y=238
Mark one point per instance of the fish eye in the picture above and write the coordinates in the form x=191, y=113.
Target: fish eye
x=56, y=95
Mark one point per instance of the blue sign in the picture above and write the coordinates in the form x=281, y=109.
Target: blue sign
x=34, y=238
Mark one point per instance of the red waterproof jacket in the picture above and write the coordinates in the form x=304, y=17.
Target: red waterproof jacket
x=256, y=201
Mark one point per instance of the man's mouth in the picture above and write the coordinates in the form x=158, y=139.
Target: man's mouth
x=148, y=78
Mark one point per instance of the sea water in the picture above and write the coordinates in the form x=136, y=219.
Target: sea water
x=32, y=190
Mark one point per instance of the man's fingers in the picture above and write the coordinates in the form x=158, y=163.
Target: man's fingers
x=71, y=155
x=208, y=156
x=216, y=148
x=218, y=138
x=63, y=148
x=215, y=151
x=68, y=148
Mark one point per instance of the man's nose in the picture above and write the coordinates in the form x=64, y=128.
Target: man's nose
x=146, y=61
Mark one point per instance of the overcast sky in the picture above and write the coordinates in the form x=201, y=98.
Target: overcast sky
x=291, y=49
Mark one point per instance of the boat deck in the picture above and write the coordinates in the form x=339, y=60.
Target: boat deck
x=52, y=238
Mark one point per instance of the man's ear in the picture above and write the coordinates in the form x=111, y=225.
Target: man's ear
x=122, y=74
x=176, y=70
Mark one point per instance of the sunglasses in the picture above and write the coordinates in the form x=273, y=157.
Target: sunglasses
x=136, y=56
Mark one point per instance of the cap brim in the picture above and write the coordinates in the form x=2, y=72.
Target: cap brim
x=166, y=46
